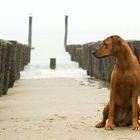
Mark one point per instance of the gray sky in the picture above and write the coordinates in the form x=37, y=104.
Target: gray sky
x=92, y=19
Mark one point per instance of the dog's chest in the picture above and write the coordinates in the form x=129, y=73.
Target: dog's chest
x=123, y=95
x=124, y=85
x=126, y=79
x=124, y=89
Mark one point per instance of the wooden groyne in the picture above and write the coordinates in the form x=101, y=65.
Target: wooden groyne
x=13, y=57
x=99, y=68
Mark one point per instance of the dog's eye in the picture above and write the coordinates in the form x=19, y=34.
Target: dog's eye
x=105, y=44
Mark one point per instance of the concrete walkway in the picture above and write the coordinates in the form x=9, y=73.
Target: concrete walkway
x=56, y=109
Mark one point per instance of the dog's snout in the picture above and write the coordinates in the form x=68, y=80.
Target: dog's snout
x=94, y=52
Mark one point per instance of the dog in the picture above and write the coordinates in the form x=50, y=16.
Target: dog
x=123, y=108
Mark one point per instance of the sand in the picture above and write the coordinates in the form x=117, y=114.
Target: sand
x=56, y=109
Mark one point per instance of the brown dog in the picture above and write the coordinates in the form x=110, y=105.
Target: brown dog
x=123, y=108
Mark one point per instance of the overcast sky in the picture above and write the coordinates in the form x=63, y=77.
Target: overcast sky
x=93, y=19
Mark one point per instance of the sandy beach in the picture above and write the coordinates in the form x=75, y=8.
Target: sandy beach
x=56, y=109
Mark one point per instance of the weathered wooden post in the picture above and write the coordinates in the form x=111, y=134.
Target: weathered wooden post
x=30, y=32
x=66, y=31
x=52, y=63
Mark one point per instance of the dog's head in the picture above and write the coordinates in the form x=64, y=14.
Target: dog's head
x=109, y=47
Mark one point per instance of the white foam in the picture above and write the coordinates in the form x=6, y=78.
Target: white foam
x=39, y=71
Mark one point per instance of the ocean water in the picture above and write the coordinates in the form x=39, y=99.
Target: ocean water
x=63, y=69
x=48, y=46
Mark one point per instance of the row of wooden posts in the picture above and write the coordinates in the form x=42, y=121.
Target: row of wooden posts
x=13, y=57
x=99, y=68
x=82, y=53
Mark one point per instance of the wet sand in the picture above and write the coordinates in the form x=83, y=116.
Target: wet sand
x=56, y=109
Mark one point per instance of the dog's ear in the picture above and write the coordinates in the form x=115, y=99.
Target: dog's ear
x=122, y=42
x=119, y=41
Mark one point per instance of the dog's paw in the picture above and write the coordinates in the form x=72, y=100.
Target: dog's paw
x=109, y=126
x=136, y=127
x=100, y=125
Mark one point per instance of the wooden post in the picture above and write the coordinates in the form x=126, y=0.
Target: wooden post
x=66, y=31
x=52, y=63
x=30, y=32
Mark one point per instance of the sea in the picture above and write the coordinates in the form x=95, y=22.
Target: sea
x=46, y=46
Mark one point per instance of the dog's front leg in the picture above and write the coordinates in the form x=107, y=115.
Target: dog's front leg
x=109, y=123
x=135, y=124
